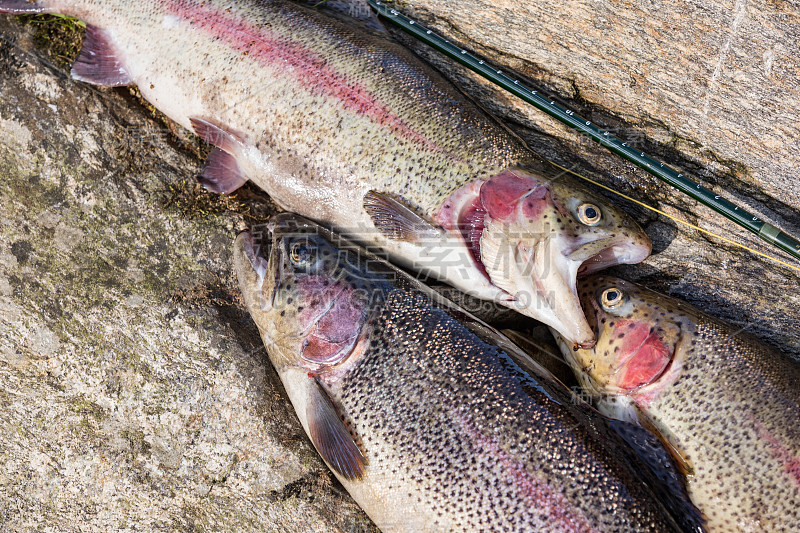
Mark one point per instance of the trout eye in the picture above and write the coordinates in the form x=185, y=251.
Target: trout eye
x=611, y=298
x=301, y=253
x=589, y=214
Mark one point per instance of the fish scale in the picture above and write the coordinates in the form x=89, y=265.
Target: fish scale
x=728, y=404
x=348, y=128
x=735, y=430
x=360, y=82
x=295, y=106
x=444, y=424
x=449, y=385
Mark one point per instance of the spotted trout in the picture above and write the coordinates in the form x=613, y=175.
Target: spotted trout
x=351, y=130
x=727, y=405
x=430, y=419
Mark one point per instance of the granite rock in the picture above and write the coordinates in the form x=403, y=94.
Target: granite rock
x=135, y=392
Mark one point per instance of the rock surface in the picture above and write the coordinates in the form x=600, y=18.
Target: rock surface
x=135, y=393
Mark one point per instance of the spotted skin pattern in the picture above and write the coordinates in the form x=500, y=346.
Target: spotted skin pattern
x=316, y=78
x=319, y=113
x=729, y=404
x=455, y=434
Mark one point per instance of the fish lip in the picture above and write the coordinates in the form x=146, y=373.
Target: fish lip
x=253, y=246
x=564, y=314
x=572, y=283
x=585, y=345
x=614, y=252
x=568, y=347
x=249, y=246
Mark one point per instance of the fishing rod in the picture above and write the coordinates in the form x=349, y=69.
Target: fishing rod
x=763, y=229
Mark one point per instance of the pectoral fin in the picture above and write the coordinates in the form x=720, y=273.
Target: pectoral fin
x=217, y=135
x=684, y=465
x=660, y=457
x=221, y=173
x=396, y=221
x=331, y=437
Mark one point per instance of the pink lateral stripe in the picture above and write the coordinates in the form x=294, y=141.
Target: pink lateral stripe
x=538, y=494
x=306, y=66
x=790, y=462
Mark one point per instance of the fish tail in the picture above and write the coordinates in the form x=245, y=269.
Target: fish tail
x=21, y=7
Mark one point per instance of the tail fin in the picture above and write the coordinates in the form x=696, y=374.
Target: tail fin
x=21, y=7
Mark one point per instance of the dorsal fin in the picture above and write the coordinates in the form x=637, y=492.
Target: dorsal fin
x=351, y=9
x=99, y=62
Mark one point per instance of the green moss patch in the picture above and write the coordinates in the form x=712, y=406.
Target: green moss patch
x=59, y=36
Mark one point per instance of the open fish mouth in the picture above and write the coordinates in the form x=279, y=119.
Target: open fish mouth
x=542, y=281
x=542, y=276
x=533, y=238
x=606, y=248
x=252, y=246
x=611, y=255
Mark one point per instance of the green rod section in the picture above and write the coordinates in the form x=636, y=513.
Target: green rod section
x=763, y=229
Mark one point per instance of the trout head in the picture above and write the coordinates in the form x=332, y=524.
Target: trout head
x=534, y=237
x=308, y=291
x=642, y=340
x=314, y=298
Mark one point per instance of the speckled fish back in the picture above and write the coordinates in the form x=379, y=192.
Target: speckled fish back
x=333, y=103
x=735, y=414
x=453, y=422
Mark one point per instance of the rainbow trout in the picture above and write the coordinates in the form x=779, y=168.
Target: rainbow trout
x=344, y=127
x=429, y=418
x=727, y=405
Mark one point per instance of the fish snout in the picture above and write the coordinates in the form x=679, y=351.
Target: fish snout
x=606, y=249
x=251, y=249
